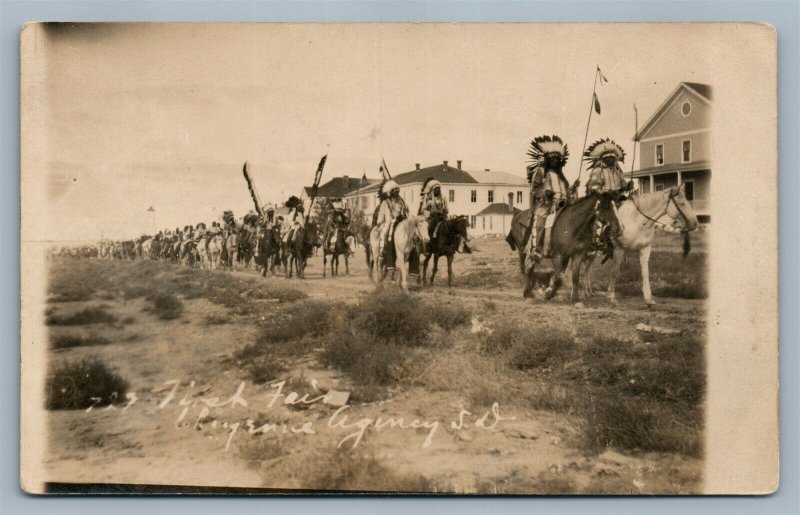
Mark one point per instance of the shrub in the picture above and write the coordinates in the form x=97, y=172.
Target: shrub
x=167, y=306
x=86, y=316
x=448, y=316
x=345, y=470
x=78, y=385
x=394, y=317
x=525, y=348
x=217, y=319
x=312, y=318
x=636, y=423
x=64, y=341
x=366, y=358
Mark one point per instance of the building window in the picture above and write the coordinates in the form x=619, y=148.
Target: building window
x=451, y=196
x=659, y=187
x=686, y=108
x=490, y=223
x=688, y=189
x=659, y=154
x=686, y=151
x=491, y=196
x=472, y=221
x=519, y=197
x=473, y=196
x=483, y=223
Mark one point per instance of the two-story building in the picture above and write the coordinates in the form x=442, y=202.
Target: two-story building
x=467, y=193
x=676, y=145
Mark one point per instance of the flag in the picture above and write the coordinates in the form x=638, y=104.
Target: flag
x=596, y=103
x=602, y=77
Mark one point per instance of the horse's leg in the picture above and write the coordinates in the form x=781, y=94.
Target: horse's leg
x=644, y=264
x=618, y=258
x=403, y=266
x=577, y=263
x=588, y=287
x=521, y=261
x=425, y=269
x=450, y=270
x=559, y=265
x=435, y=267
x=346, y=265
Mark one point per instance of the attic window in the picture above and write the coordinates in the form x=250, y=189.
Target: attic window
x=686, y=108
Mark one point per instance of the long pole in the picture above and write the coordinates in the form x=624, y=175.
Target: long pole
x=636, y=130
x=317, y=177
x=591, y=108
x=386, y=169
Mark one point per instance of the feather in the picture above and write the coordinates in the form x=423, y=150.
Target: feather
x=251, y=187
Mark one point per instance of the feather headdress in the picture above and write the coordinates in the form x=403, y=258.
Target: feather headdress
x=429, y=184
x=543, y=146
x=601, y=148
x=388, y=186
x=293, y=202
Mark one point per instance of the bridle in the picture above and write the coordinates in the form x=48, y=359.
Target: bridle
x=670, y=199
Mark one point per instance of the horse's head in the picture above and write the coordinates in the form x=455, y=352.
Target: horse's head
x=680, y=210
x=420, y=224
x=461, y=225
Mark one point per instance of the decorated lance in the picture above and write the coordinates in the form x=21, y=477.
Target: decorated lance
x=635, y=131
x=385, y=170
x=252, y=187
x=595, y=106
x=358, y=200
x=317, y=178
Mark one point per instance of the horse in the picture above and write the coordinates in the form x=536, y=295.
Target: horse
x=213, y=251
x=638, y=216
x=342, y=243
x=269, y=250
x=572, y=235
x=299, y=249
x=404, y=239
x=189, y=254
x=449, y=238
x=248, y=240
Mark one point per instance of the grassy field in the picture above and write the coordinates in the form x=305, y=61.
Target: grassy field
x=597, y=405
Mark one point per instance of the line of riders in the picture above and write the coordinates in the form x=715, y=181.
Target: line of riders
x=266, y=239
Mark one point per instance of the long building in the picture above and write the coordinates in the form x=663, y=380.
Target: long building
x=675, y=145
x=467, y=192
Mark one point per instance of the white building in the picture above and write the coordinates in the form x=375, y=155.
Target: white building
x=467, y=192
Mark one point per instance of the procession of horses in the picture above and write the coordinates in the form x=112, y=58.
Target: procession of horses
x=569, y=230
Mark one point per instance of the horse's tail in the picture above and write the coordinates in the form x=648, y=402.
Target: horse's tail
x=510, y=240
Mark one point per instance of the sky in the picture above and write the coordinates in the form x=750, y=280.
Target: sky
x=165, y=115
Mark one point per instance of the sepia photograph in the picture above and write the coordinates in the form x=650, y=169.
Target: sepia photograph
x=394, y=258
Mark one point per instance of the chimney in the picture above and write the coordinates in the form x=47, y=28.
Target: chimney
x=346, y=180
x=445, y=164
x=487, y=170
x=417, y=165
x=459, y=164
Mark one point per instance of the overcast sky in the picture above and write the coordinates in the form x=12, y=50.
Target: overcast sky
x=165, y=115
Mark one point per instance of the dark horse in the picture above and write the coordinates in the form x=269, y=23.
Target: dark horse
x=246, y=242
x=451, y=234
x=571, y=239
x=269, y=251
x=297, y=251
x=339, y=247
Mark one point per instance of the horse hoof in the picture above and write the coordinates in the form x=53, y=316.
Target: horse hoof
x=549, y=293
x=579, y=305
x=650, y=302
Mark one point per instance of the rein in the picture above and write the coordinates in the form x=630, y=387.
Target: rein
x=671, y=199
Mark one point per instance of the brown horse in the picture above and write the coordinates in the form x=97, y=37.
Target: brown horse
x=571, y=240
x=341, y=244
x=269, y=250
x=299, y=249
x=449, y=238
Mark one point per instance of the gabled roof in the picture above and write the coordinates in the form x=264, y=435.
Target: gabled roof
x=498, y=208
x=338, y=186
x=701, y=91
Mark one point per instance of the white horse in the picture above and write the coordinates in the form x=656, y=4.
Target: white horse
x=404, y=234
x=638, y=217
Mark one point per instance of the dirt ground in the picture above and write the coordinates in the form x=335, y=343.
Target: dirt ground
x=185, y=423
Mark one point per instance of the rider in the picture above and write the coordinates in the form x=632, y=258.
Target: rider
x=434, y=206
x=339, y=222
x=605, y=175
x=391, y=211
x=550, y=190
x=296, y=218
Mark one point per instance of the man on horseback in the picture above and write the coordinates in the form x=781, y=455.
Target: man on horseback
x=340, y=221
x=296, y=219
x=605, y=176
x=391, y=211
x=550, y=191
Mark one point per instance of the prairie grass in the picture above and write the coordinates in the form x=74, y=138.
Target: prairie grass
x=81, y=384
